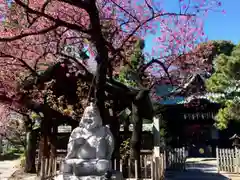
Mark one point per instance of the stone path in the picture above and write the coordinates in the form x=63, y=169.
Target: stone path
x=198, y=169
x=7, y=168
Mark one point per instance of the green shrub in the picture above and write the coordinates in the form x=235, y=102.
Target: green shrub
x=125, y=149
x=22, y=160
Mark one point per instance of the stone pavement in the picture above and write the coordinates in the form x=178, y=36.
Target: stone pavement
x=7, y=168
x=233, y=176
x=198, y=169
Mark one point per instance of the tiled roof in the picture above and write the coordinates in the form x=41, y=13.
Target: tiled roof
x=184, y=95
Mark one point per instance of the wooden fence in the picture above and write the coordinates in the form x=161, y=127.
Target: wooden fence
x=228, y=160
x=151, y=168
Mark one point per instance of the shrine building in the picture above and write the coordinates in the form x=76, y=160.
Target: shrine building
x=189, y=116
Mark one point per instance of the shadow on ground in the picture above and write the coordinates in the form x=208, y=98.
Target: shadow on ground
x=209, y=159
x=200, y=170
x=200, y=166
x=9, y=156
x=196, y=175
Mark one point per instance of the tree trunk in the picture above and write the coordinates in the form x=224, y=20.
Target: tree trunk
x=126, y=132
x=39, y=156
x=100, y=90
x=30, y=148
x=31, y=141
x=115, y=127
x=140, y=109
x=136, y=138
x=46, y=126
x=126, y=124
x=102, y=59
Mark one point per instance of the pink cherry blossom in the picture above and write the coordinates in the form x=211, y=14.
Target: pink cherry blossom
x=53, y=25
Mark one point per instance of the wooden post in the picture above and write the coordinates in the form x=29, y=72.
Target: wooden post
x=39, y=156
x=152, y=170
x=156, y=136
x=184, y=158
x=46, y=125
x=115, y=128
x=217, y=156
x=237, y=159
x=163, y=164
x=1, y=148
x=121, y=166
x=145, y=166
x=157, y=144
x=53, y=141
x=129, y=168
x=136, y=169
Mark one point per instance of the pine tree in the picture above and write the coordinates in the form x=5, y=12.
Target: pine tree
x=226, y=81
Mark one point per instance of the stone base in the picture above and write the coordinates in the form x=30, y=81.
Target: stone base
x=116, y=176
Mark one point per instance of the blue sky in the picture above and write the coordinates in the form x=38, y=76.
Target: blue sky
x=225, y=27
x=218, y=26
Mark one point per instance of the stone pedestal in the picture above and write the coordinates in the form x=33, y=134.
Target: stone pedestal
x=116, y=176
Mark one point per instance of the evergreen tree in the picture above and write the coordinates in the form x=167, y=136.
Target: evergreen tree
x=129, y=74
x=226, y=80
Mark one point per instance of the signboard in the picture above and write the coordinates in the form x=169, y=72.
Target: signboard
x=197, y=116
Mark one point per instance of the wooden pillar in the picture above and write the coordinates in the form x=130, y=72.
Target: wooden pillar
x=44, y=146
x=156, y=136
x=135, y=143
x=115, y=128
x=53, y=157
x=158, y=158
x=42, y=157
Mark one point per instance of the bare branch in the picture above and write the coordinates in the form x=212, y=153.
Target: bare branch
x=165, y=69
x=150, y=7
x=45, y=5
x=22, y=61
x=80, y=3
x=125, y=11
x=57, y=21
x=150, y=19
x=43, y=31
x=38, y=59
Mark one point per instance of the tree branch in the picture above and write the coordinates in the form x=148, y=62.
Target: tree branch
x=57, y=21
x=165, y=69
x=80, y=3
x=43, y=31
x=22, y=61
x=150, y=19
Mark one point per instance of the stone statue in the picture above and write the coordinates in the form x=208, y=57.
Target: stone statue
x=90, y=146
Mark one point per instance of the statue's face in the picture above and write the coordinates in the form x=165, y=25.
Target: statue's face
x=91, y=119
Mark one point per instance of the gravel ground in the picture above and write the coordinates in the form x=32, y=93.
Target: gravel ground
x=21, y=175
x=7, y=168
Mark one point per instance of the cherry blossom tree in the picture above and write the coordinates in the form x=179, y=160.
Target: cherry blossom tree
x=47, y=21
x=34, y=33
